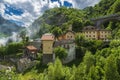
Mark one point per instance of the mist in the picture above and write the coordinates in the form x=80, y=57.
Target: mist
x=14, y=38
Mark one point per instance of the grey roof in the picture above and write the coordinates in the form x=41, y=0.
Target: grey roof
x=92, y=28
x=89, y=28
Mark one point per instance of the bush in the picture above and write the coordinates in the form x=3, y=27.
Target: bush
x=60, y=52
x=14, y=48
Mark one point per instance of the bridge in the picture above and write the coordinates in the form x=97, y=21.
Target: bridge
x=99, y=21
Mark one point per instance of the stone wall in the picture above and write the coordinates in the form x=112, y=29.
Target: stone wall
x=48, y=58
x=71, y=53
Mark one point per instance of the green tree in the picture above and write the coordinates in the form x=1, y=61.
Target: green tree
x=57, y=31
x=14, y=48
x=56, y=71
x=60, y=52
x=80, y=39
x=116, y=7
x=2, y=51
x=80, y=73
x=25, y=38
x=42, y=76
x=93, y=74
x=11, y=75
x=88, y=61
x=23, y=35
x=114, y=43
x=70, y=73
x=93, y=45
x=111, y=72
x=77, y=25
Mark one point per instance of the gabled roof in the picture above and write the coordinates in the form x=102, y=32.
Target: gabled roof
x=48, y=36
x=63, y=36
x=89, y=28
x=31, y=47
x=69, y=31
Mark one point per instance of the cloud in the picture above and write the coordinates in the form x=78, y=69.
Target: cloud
x=32, y=9
x=84, y=3
x=2, y=9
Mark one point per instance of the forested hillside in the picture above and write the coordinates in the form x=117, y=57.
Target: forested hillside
x=61, y=18
x=64, y=17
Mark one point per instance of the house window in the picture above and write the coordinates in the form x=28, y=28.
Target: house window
x=86, y=35
x=93, y=35
x=89, y=35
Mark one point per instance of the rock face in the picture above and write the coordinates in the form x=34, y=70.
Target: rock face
x=24, y=63
x=7, y=27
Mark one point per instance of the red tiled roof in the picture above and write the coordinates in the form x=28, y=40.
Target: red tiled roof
x=31, y=48
x=47, y=36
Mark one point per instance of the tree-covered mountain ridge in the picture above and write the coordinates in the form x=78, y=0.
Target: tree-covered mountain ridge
x=64, y=17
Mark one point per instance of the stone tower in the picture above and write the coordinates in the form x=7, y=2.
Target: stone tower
x=47, y=47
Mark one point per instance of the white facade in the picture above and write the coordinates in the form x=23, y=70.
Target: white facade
x=71, y=53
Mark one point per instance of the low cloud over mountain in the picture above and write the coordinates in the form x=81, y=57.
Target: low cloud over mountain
x=7, y=27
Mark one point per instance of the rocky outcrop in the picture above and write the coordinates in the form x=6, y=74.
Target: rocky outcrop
x=24, y=64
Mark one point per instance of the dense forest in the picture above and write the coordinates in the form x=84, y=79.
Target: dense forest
x=95, y=59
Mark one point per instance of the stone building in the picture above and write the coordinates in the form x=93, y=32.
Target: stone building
x=104, y=34
x=69, y=35
x=49, y=43
x=30, y=52
x=69, y=45
x=47, y=47
x=36, y=43
x=96, y=34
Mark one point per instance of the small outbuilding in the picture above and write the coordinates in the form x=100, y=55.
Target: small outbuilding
x=30, y=52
